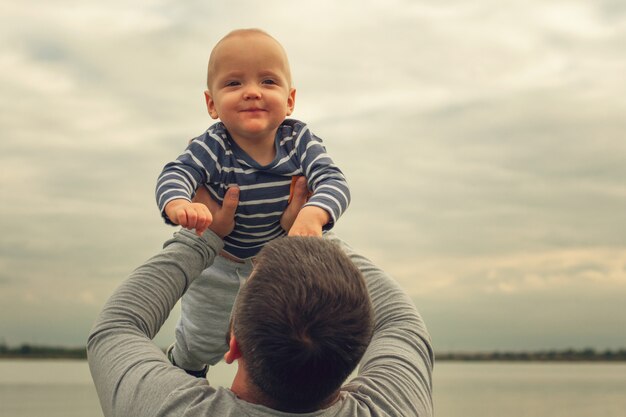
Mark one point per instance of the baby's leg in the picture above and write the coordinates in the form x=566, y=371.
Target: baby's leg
x=205, y=314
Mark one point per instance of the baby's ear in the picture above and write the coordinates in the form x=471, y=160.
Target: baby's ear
x=291, y=101
x=210, y=105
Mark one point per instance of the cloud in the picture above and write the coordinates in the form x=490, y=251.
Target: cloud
x=547, y=271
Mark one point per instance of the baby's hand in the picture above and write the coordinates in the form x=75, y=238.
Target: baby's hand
x=189, y=215
x=309, y=222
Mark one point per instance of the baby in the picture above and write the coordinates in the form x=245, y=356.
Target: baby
x=256, y=149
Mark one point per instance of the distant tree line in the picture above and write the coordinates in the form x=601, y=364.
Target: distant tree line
x=569, y=355
x=27, y=351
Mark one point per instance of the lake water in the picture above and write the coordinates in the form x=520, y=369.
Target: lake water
x=54, y=388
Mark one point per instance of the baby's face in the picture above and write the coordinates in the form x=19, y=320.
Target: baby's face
x=250, y=87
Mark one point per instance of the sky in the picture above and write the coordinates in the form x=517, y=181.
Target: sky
x=484, y=143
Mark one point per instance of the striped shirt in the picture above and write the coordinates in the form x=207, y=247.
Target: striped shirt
x=214, y=160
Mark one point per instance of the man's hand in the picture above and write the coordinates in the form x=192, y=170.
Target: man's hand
x=224, y=215
x=299, y=197
x=189, y=215
x=309, y=222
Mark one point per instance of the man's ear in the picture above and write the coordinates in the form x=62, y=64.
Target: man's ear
x=291, y=101
x=210, y=104
x=233, y=350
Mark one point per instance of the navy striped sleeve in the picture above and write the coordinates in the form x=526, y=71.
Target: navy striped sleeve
x=196, y=166
x=325, y=179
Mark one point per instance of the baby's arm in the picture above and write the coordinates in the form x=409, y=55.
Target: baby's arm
x=310, y=221
x=189, y=215
x=180, y=178
x=331, y=195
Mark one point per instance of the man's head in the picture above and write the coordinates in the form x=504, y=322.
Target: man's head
x=302, y=322
x=249, y=84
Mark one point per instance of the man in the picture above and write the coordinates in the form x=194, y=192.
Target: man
x=134, y=378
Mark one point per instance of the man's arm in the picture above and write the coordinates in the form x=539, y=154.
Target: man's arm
x=396, y=370
x=131, y=374
x=120, y=350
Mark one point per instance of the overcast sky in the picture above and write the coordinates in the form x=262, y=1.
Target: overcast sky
x=484, y=142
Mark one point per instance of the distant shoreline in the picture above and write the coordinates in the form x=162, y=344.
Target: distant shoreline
x=568, y=355
x=27, y=351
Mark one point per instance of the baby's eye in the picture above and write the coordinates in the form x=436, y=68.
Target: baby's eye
x=232, y=83
x=270, y=82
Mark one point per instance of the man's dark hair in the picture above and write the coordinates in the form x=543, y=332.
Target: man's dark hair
x=302, y=322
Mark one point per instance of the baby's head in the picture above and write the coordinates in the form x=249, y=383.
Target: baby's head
x=249, y=85
x=257, y=41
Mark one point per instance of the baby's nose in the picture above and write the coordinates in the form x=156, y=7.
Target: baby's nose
x=251, y=92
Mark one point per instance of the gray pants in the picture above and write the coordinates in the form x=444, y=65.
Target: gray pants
x=205, y=314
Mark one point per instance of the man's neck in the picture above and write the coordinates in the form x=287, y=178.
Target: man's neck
x=245, y=390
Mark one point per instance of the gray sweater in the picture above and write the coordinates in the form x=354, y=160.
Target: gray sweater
x=133, y=377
